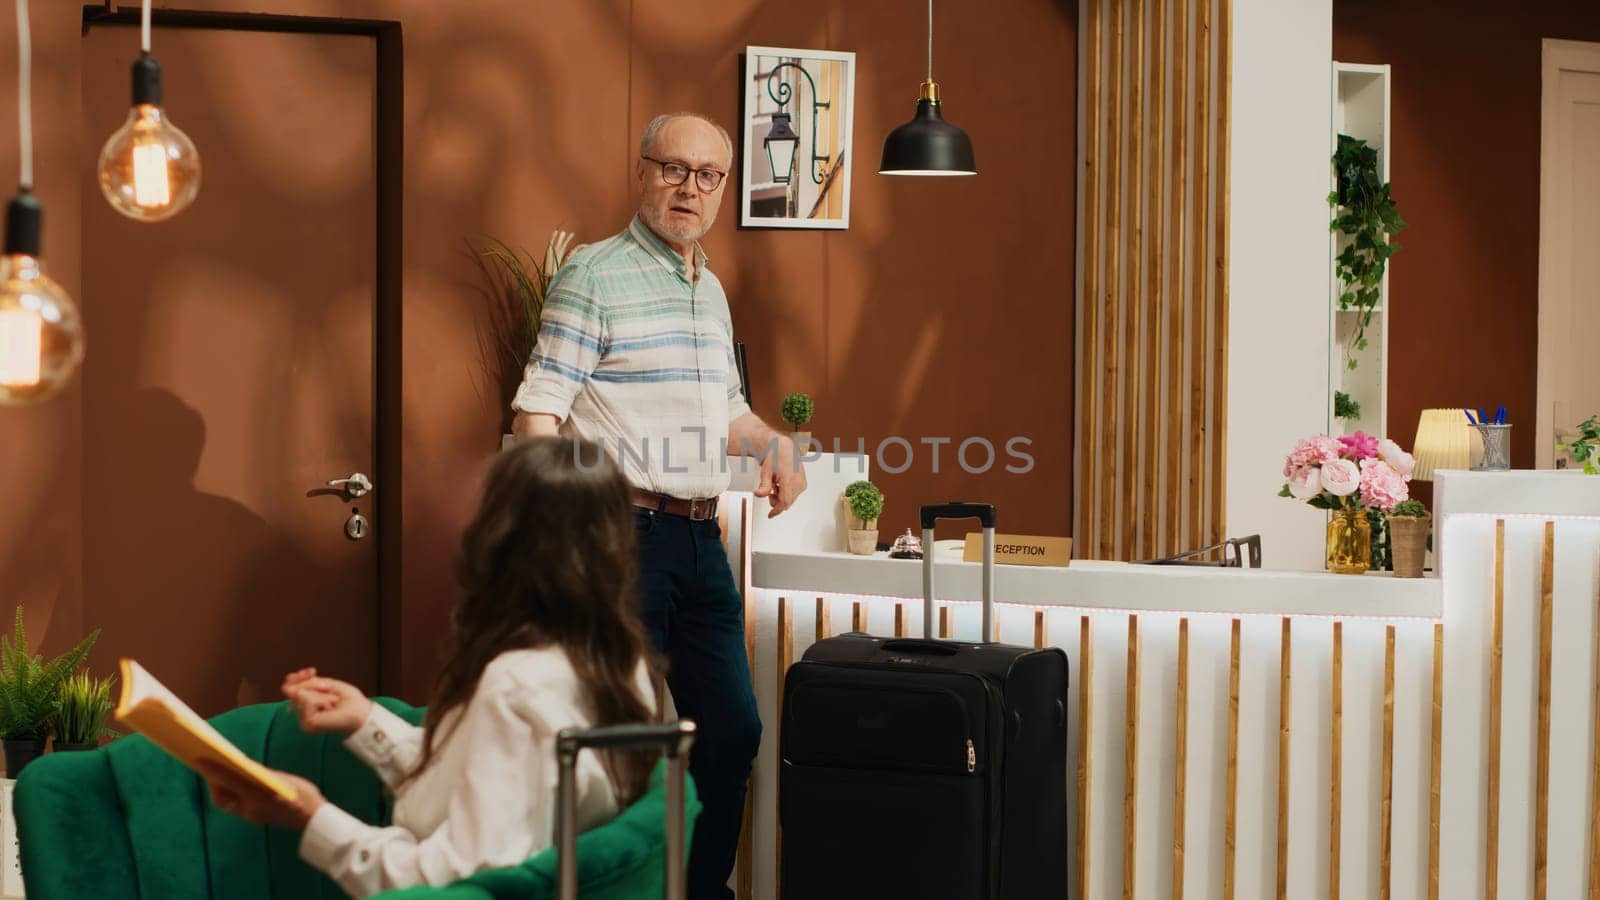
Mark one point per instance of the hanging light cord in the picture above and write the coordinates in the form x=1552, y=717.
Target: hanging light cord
x=930, y=39
x=144, y=28
x=25, y=94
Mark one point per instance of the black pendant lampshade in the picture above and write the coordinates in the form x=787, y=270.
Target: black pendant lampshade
x=928, y=145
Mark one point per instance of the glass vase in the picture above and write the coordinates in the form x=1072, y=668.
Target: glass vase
x=1349, y=542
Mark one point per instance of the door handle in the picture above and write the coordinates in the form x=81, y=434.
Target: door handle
x=357, y=485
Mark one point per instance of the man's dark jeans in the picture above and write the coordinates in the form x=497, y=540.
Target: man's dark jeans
x=693, y=612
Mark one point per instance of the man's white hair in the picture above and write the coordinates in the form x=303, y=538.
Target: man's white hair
x=647, y=140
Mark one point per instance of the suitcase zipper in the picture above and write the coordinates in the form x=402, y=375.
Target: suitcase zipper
x=972, y=757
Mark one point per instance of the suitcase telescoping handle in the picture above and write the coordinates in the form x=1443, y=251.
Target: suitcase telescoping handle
x=675, y=738
x=984, y=513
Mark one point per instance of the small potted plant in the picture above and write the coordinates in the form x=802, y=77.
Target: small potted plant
x=81, y=712
x=797, y=410
x=864, y=502
x=29, y=688
x=1408, y=537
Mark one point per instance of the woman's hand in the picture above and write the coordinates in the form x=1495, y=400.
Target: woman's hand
x=325, y=704
x=254, y=803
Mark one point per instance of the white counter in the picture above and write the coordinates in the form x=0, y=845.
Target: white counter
x=1090, y=584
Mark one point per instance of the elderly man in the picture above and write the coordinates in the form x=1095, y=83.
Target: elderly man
x=635, y=351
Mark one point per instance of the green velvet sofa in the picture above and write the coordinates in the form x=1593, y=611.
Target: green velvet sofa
x=127, y=821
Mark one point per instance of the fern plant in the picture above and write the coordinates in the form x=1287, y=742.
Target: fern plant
x=30, y=687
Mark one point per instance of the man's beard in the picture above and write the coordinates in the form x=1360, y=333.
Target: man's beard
x=679, y=233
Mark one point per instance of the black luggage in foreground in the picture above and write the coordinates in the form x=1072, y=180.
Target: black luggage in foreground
x=925, y=768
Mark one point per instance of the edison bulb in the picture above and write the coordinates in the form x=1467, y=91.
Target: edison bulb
x=41, y=332
x=149, y=169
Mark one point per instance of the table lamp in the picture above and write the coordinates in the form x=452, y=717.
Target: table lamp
x=1444, y=441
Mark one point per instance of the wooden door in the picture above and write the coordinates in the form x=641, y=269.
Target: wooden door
x=230, y=373
x=1569, y=232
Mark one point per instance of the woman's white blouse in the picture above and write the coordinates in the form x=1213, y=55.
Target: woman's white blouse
x=488, y=798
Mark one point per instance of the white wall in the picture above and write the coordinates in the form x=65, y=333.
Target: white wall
x=1278, y=268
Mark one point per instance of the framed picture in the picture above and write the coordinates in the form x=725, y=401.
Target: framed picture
x=799, y=108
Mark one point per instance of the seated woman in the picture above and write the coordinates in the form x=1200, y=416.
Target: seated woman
x=546, y=637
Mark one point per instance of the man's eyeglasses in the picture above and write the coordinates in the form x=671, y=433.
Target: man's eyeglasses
x=675, y=174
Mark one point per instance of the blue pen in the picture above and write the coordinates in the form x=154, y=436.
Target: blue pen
x=1470, y=419
x=1500, y=415
x=1482, y=419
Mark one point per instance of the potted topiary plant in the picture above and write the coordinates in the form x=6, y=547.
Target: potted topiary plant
x=797, y=410
x=864, y=503
x=29, y=688
x=81, y=712
x=1408, y=537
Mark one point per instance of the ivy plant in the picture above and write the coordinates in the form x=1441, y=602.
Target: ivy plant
x=1365, y=212
x=1586, y=449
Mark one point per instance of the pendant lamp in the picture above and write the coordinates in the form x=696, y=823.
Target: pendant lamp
x=928, y=145
x=41, y=333
x=149, y=169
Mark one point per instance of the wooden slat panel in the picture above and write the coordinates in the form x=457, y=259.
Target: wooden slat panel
x=1085, y=726
x=1087, y=496
x=1491, y=849
x=858, y=617
x=1178, y=298
x=1180, y=764
x=1219, y=298
x=1149, y=543
x=1436, y=739
x=1336, y=750
x=1132, y=305
x=1111, y=302
x=1195, y=530
x=785, y=660
x=1041, y=629
x=1154, y=304
x=824, y=619
x=1541, y=831
x=1594, y=782
x=1230, y=827
x=1130, y=771
x=1284, y=679
x=1386, y=826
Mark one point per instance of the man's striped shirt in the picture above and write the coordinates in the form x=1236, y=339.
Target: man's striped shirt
x=637, y=355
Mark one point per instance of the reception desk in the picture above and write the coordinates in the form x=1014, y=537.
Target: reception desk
x=1260, y=733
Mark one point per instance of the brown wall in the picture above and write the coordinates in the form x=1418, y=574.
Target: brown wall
x=945, y=310
x=1465, y=170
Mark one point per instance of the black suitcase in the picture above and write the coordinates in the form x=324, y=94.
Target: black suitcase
x=925, y=768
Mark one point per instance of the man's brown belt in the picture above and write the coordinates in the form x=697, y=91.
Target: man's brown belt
x=696, y=510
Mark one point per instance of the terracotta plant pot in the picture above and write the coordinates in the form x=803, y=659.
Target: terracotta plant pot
x=862, y=541
x=1408, y=544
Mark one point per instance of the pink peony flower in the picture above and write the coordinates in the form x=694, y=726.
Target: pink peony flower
x=1381, y=485
x=1305, y=482
x=1312, y=451
x=1390, y=452
x=1359, y=446
x=1340, y=477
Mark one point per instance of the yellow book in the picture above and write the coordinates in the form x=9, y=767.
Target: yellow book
x=149, y=708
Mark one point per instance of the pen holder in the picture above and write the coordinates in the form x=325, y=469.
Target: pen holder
x=1496, y=448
